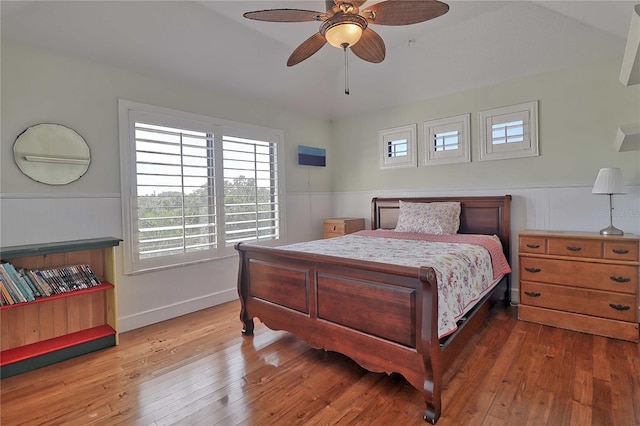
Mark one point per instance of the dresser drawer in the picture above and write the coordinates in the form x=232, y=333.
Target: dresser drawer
x=598, y=276
x=337, y=227
x=616, y=306
x=621, y=250
x=532, y=245
x=575, y=248
x=334, y=227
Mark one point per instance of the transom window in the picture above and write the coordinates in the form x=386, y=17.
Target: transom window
x=398, y=147
x=447, y=140
x=194, y=186
x=509, y=132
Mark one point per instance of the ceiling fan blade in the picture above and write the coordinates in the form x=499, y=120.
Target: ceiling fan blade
x=370, y=47
x=404, y=12
x=306, y=49
x=283, y=15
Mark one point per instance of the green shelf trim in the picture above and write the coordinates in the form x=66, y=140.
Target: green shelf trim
x=57, y=247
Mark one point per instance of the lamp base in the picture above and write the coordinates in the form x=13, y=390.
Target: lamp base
x=611, y=230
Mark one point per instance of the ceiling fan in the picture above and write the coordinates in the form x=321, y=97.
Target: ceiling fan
x=345, y=24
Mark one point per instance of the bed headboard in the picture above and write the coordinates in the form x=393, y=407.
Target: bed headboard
x=478, y=215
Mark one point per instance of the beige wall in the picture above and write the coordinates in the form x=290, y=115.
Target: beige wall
x=580, y=110
x=38, y=86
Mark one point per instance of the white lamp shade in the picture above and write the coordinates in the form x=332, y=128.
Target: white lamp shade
x=609, y=181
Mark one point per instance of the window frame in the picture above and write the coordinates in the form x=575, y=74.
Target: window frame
x=386, y=136
x=462, y=124
x=528, y=113
x=128, y=113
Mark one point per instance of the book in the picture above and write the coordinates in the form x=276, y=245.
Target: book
x=45, y=289
x=32, y=286
x=53, y=278
x=44, y=276
x=17, y=296
x=5, y=292
x=19, y=281
x=90, y=275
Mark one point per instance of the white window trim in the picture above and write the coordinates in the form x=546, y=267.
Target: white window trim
x=462, y=123
x=528, y=148
x=128, y=176
x=408, y=132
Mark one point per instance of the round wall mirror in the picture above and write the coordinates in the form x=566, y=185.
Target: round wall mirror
x=52, y=154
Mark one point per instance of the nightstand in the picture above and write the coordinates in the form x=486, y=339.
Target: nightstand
x=336, y=227
x=580, y=281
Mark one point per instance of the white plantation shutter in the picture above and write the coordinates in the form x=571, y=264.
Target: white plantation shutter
x=191, y=190
x=509, y=132
x=398, y=147
x=175, y=191
x=447, y=140
x=251, y=198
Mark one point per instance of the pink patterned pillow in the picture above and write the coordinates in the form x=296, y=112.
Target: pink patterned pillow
x=441, y=218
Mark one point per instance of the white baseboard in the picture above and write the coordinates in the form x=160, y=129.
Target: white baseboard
x=163, y=313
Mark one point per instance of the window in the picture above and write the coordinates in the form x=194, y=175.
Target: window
x=509, y=132
x=447, y=140
x=398, y=147
x=193, y=186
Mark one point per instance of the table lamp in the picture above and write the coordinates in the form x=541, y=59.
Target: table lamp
x=609, y=181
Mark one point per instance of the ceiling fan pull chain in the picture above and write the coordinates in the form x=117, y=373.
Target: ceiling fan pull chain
x=346, y=69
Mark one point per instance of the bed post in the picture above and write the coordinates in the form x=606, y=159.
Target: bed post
x=430, y=345
x=243, y=293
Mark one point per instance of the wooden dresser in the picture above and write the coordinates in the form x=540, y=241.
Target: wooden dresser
x=580, y=281
x=338, y=226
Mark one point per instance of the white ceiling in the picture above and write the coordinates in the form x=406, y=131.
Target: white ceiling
x=210, y=44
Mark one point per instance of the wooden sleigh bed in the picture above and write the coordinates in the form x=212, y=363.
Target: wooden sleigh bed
x=382, y=316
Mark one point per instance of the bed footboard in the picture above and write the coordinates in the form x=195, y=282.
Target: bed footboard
x=384, y=317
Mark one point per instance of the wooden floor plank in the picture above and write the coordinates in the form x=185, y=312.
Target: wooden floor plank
x=199, y=370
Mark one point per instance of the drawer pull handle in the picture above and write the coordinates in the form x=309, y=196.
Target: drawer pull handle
x=334, y=227
x=533, y=270
x=620, y=279
x=532, y=294
x=619, y=307
x=574, y=248
x=620, y=251
x=534, y=246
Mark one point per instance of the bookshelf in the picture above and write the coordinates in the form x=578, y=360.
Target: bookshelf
x=61, y=326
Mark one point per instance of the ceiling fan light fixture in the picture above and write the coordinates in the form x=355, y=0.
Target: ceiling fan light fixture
x=342, y=34
x=343, y=29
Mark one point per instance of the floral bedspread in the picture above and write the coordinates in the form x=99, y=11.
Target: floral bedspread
x=463, y=263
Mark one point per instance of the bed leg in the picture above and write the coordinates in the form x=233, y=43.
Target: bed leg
x=247, y=325
x=430, y=415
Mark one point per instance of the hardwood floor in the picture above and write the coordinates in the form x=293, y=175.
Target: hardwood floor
x=199, y=370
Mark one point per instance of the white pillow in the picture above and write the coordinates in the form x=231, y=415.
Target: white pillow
x=438, y=218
